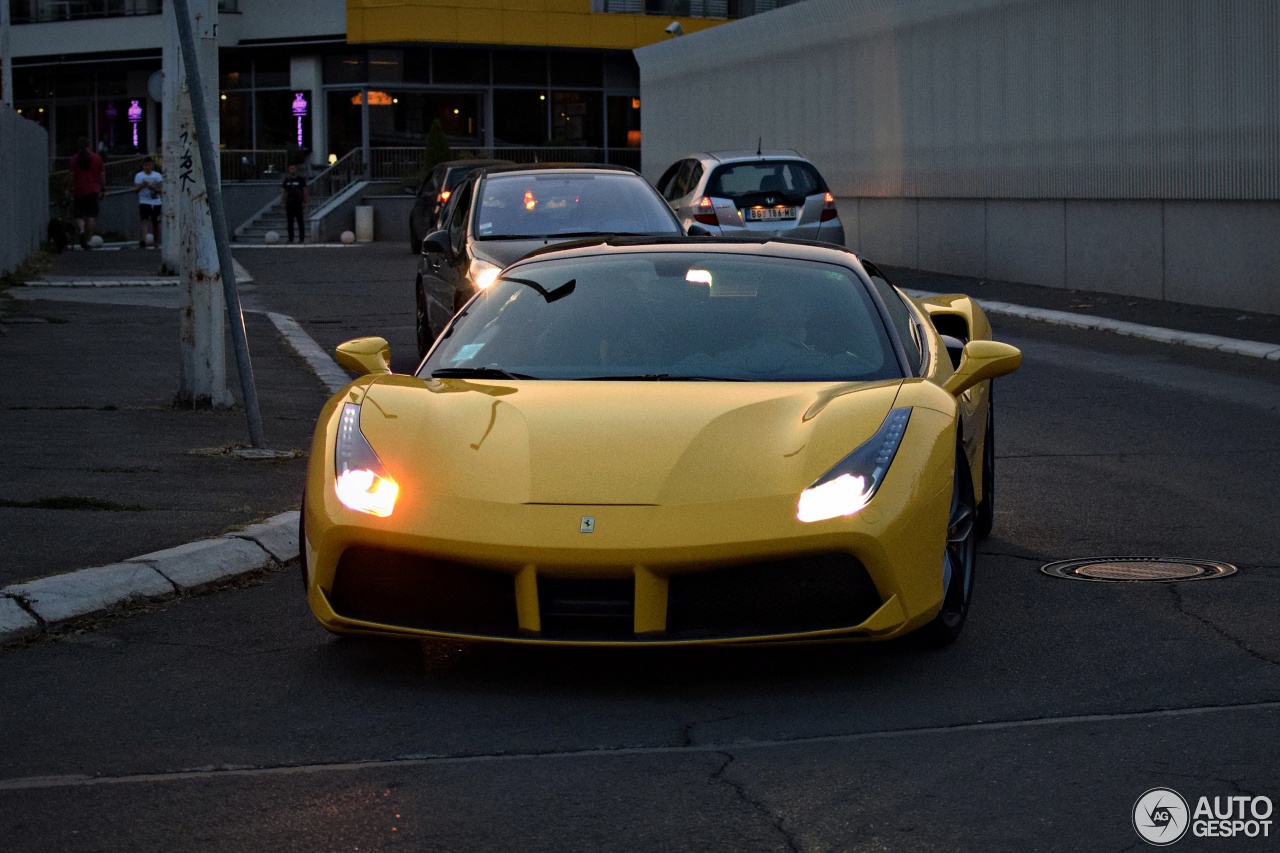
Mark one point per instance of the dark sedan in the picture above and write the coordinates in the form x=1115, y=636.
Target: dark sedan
x=498, y=215
x=434, y=192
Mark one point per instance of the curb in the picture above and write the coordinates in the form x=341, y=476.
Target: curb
x=43, y=606
x=1231, y=346
x=242, y=277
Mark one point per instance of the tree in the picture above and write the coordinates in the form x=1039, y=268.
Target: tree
x=437, y=147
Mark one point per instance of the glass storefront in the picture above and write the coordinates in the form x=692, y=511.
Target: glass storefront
x=483, y=97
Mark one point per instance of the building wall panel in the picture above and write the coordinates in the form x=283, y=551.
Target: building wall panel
x=1116, y=246
x=1026, y=241
x=952, y=236
x=1223, y=253
x=1098, y=142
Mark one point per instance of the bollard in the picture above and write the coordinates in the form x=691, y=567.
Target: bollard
x=364, y=224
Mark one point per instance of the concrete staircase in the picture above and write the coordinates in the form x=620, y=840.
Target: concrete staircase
x=271, y=218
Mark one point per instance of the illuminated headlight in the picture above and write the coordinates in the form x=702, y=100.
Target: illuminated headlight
x=848, y=486
x=362, y=483
x=484, y=273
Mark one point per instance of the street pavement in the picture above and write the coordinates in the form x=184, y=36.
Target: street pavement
x=103, y=469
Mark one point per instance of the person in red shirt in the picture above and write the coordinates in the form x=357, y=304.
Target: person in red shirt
x=88, y=186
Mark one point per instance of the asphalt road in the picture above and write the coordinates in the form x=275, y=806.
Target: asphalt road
x=233, y=722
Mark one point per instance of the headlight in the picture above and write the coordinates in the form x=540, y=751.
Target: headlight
x=848, y=486
x=362, y=483
x=483, y=273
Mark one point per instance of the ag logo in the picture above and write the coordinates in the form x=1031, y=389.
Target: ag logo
x=1160, y=816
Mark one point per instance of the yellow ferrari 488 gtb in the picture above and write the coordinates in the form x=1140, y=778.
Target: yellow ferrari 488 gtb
x=663, y=441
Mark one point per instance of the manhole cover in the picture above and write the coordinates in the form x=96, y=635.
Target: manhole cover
x=1129, y=569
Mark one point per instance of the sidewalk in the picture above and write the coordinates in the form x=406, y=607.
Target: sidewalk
x=100, y=465
x=102, y=470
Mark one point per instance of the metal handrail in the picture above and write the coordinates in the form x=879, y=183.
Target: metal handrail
x=117, y=173
x=335, y=178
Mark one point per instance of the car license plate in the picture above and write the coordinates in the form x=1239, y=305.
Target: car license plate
x=769, y=214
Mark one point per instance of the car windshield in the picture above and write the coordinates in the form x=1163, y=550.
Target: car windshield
x=570, y=204
x=687, y=316
x=791, y=177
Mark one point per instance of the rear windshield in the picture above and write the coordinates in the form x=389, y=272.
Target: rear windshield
x=570, y=204
x=761, y=176
x=673, y=316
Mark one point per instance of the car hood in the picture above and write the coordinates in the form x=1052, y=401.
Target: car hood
x=504, y=253
x=625, y=443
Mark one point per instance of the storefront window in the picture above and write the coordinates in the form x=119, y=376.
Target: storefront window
x=576, y=119
x=277, y=125
x=519, y=117
x=520, y=68
x=460, y=65
x=236, y=120
x=271, y=70
x=624, y=121
x=577, y=68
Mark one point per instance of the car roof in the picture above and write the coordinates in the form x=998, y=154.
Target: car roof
x=745, y=154
x=773, y=246
x=560, y=167
x=454, y=164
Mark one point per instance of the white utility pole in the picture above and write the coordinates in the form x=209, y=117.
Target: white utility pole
x=202, y=374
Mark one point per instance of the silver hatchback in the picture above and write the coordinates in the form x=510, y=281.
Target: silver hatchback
x=752, y=193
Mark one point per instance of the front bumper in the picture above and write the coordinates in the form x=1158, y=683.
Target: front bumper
x=648, y=575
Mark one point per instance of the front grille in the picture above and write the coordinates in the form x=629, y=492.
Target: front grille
x=409, y=591
x=587, y=609
x=778, y=597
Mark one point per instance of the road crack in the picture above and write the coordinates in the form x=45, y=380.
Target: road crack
x=775, y=820
x=1239, y=643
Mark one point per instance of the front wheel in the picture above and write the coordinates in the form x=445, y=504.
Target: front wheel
x=958, y=562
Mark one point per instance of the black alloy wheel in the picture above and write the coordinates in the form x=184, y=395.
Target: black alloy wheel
x=986, y=516
x=958, y=562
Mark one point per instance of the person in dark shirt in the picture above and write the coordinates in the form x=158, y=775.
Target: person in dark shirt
x=293, y=195
x=88, y=186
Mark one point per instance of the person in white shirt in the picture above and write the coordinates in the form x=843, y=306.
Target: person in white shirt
x=147, y=184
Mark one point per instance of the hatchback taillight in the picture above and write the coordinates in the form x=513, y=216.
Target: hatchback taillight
x=706, y=212
x=828, y=208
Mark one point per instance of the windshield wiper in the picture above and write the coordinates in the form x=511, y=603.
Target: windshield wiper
x=477, y=373
x=550, y=295
x=605, y=234
x=661, y=377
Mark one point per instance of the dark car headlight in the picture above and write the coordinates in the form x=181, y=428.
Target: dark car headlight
x=362, y=483
x=852, y=482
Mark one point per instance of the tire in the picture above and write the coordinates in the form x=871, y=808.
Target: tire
x=986, y=514
x=422, y=323
x=415, y=242
x=959, y=560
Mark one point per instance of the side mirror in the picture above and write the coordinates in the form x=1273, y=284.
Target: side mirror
x=437, y=243
x=365, y=355
x=696, y=230
x=982, y=360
